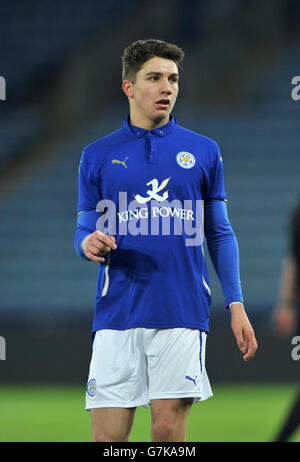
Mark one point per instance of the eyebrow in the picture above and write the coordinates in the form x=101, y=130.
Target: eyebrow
x=161, y=73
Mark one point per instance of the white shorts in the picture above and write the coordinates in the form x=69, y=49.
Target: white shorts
x=131, y=367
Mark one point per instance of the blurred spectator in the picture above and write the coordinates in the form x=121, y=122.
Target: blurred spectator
x=287, y=312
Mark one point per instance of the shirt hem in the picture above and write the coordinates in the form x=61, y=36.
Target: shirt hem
x=203, y=327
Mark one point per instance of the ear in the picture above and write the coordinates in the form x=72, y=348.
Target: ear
x=127, y=87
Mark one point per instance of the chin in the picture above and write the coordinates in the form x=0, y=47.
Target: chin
x=160, y=115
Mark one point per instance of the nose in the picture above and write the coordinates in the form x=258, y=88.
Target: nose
x=166, y=87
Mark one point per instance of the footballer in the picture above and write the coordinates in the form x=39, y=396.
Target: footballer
x=149, y=193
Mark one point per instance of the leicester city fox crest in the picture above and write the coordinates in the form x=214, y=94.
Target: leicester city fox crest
x=91, y=387
x=185, y=159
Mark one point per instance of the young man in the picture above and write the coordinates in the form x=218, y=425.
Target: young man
x=153, y=295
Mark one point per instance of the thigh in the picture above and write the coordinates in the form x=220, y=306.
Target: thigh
x=169, y=418
x=118, y=371
x=111, y=424
x=175, y=409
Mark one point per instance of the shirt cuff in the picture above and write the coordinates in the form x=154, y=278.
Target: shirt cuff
x=234, y=302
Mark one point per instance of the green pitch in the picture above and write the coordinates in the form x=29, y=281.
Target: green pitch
x=56, y=413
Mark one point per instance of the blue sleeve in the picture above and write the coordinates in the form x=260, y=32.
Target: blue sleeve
x=88, y=187
x=214, y=178
x=223, y=249
x=86, y=224
x=88, y=198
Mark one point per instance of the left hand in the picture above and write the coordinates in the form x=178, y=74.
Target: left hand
x=243, y=331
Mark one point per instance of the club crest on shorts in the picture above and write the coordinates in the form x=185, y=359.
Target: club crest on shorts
x=185, y=159
x=91, y=387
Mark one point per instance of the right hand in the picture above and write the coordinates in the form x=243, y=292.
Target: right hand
x=97, y=244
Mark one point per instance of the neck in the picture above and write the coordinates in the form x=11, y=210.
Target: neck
x=148, y=124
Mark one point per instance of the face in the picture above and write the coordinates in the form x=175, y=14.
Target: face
x=153, y=95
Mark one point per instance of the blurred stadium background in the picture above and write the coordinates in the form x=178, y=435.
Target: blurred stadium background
x=61, y=62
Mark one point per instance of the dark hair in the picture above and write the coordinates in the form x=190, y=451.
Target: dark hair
x=140, y=51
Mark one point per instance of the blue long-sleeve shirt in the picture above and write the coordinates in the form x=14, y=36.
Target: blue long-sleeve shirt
x=159, y=192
